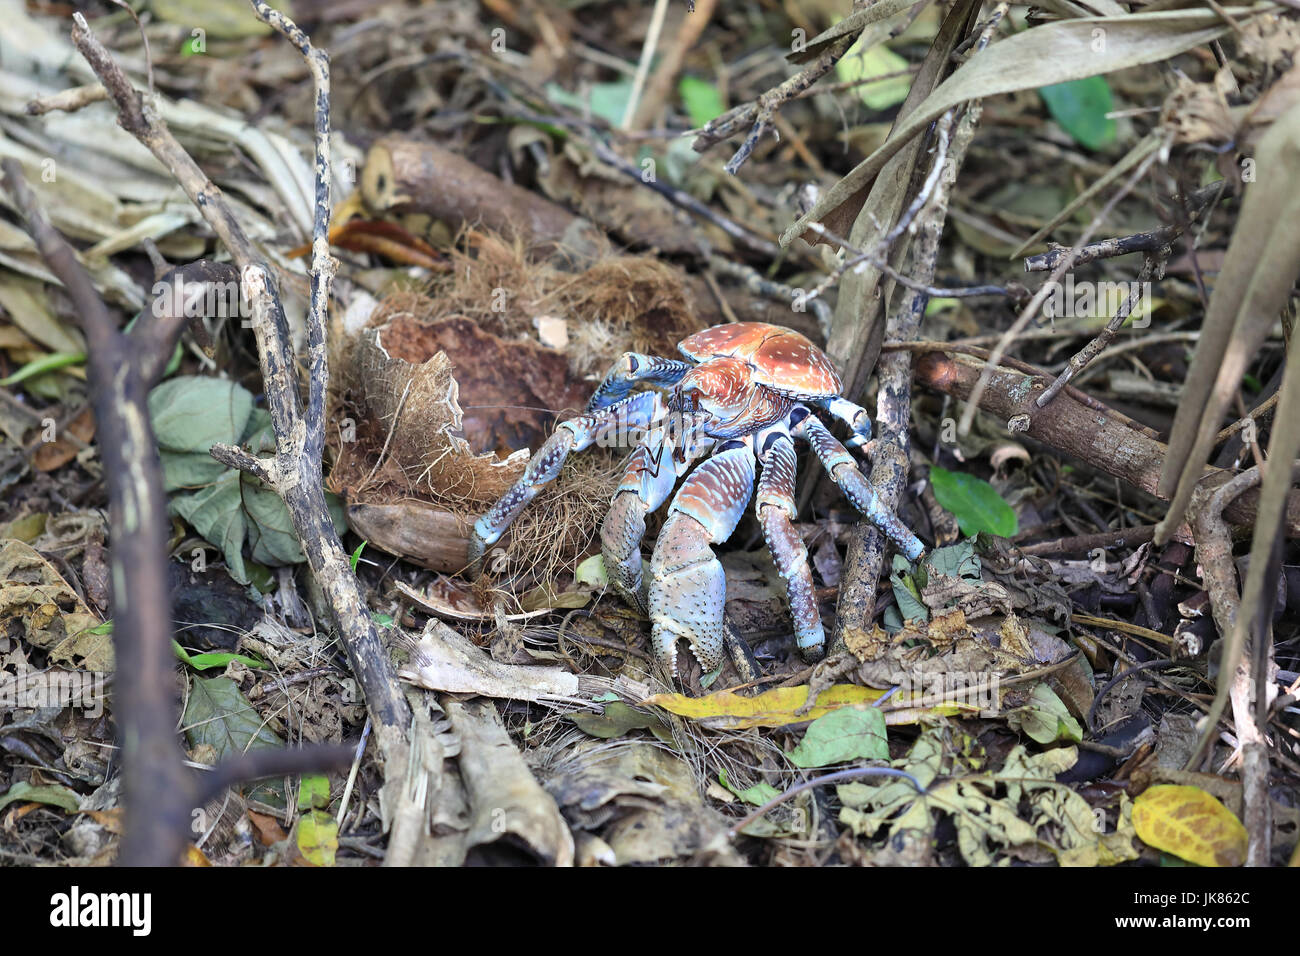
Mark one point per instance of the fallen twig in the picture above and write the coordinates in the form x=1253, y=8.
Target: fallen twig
x=866, y=552
x=1241, y=681
x=1154, y=265
x=1101, y=439
x=68, y=101
x=158, y=793
x=760, y=114
x=295, y=472
x=1030, y=311
x=1152, y=241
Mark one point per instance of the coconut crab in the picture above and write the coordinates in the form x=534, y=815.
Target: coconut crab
x=744, y=394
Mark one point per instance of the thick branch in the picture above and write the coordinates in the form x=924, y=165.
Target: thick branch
x=153, y=777
x=1072, y=428
x=158, y=793
x=299, y=440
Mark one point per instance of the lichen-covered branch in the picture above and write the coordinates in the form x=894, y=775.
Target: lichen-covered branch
x=299, y=437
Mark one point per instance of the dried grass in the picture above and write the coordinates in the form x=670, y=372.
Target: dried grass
x=408, y=412
x=618, y=304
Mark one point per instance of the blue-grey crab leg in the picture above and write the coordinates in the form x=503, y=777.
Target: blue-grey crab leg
x=688, y=589
x=576, y=434
x=632, y=369
x=775, y=506
x=647, y=482
x=855, y=416
x=843, y=469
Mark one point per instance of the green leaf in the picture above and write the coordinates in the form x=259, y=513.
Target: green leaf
x=1045, y=718
x=260, y=576
x=1080, y=106
x=842, y=735
x=758, y=794
x=619, y=718
x=202, y=662
x=313, y=792
x=878, y=60
x=606, y=100
x=956, y=560
x=356, y=556
x=941, y=304
x=973, y=502
x=906, y=594
x=53, y=794
x=186, y=471
x=217, y=713
x=217, y=514
x=701, y=98
x=42, y=365
x=230, y=510
x=271, y=538
x=190, y=413
x=592, y=572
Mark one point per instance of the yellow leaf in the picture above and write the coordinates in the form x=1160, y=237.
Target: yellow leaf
x=780, y=706
x=195, y=857
x=879, y=60
x=318, y=838
x=1191, y=824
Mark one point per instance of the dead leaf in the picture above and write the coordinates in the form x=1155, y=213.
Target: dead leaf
x=779, y=707
x=504, y=798
x=1054, y=52
x=55, y=454
x=268, y=828
x=1191, y=824
x=51, y=614
x=441, y=659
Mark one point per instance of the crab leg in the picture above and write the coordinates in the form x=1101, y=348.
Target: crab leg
x=855, y=416
x=647, y=482
x=844, y=470
x=632, y=369
x=775, y=505
x=687, y=587
x=576, y=434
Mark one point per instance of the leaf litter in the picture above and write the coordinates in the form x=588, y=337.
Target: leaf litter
x=440, y=393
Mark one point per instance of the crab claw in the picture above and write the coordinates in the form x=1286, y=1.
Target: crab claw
x=705, y=645
x=687, y=594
